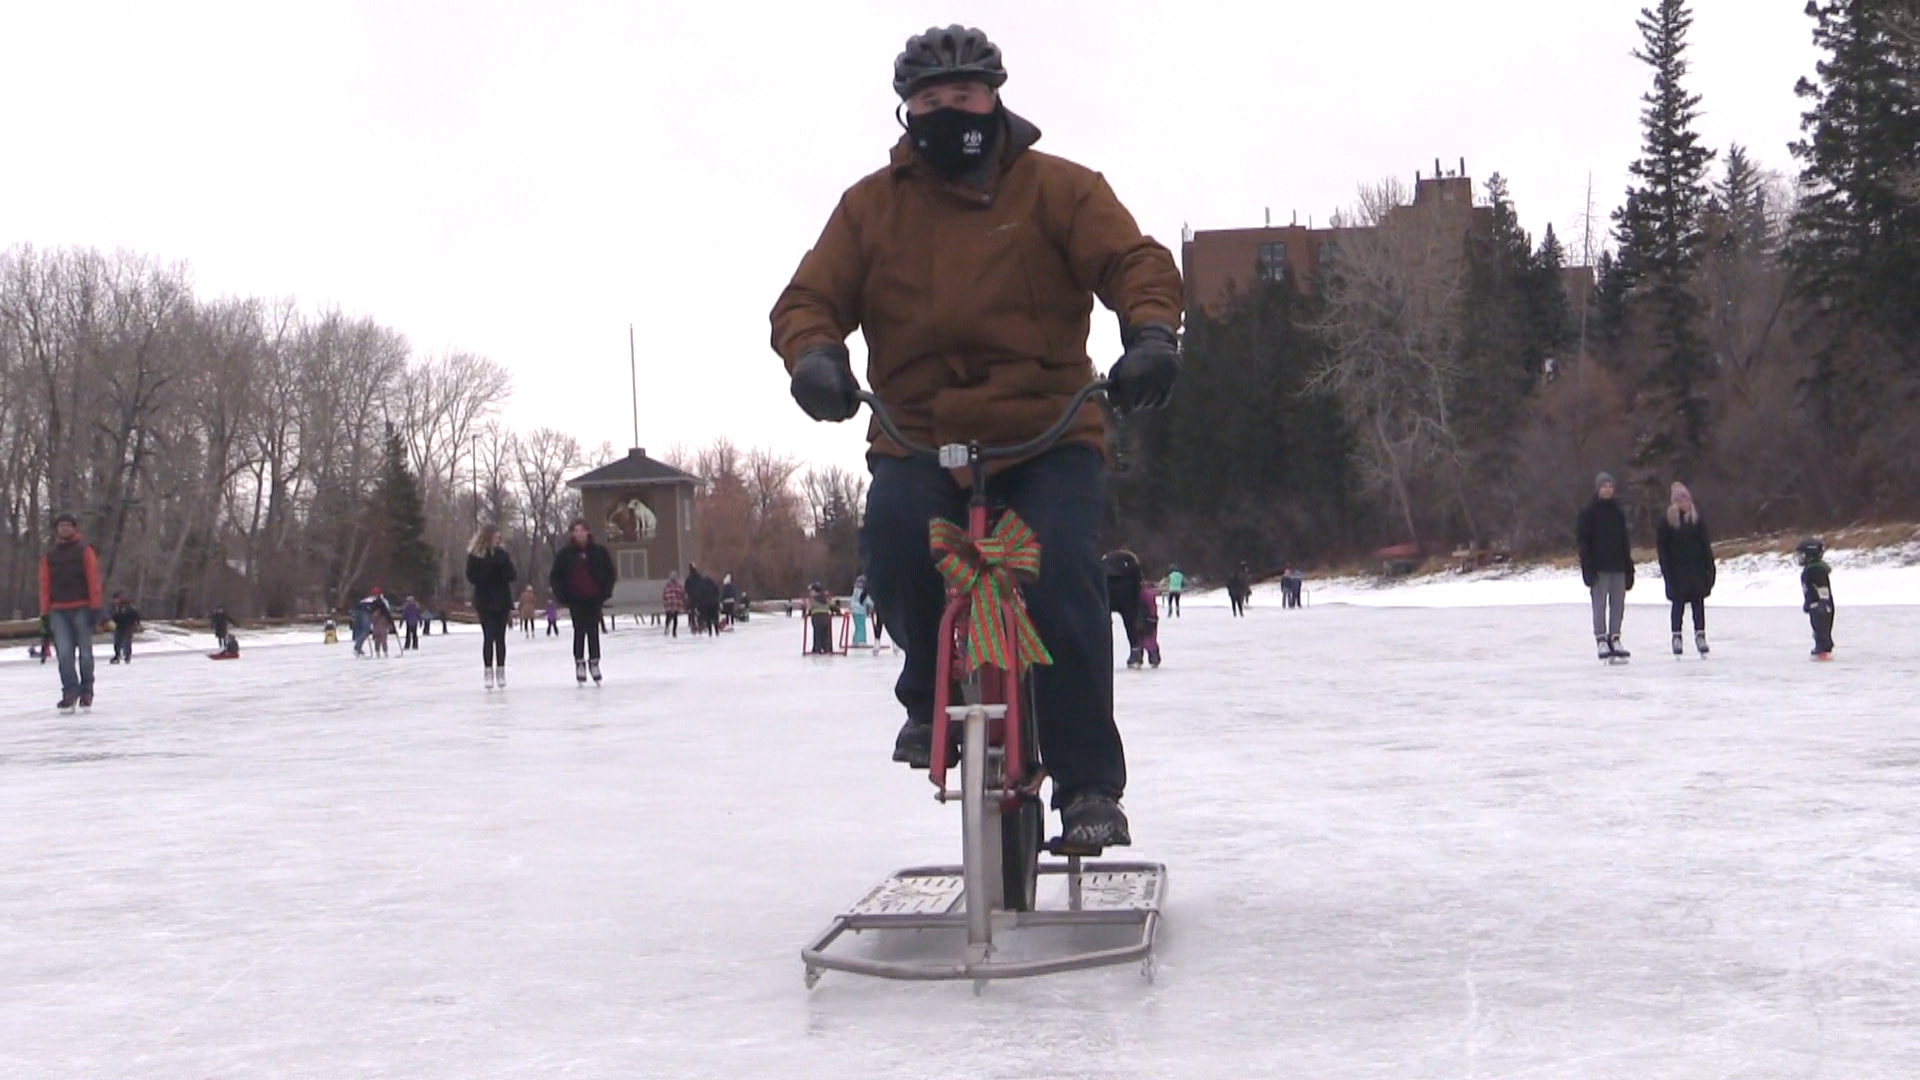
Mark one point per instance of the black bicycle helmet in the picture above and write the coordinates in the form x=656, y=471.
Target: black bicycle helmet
x=957, y=52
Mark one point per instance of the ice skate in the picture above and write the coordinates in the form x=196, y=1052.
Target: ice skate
x=593, y=669
x=86, y=702
x=1153, y=657
x=1679, y=649
x=500, y=678
x=1604, y=647
x=1616, y=654
x=489, y=678
x=1133, y=660
x=580, y=672
x=1700, y=642
x=66, y=704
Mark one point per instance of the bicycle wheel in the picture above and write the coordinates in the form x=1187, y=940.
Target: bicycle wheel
x=1023, y=829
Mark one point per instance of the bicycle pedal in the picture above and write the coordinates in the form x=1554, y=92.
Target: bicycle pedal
x=1059, y=846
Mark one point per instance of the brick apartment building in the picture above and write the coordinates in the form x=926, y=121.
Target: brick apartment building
x=1219, y=263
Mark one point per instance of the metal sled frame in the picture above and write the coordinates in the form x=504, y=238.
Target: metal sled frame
x=969, y=896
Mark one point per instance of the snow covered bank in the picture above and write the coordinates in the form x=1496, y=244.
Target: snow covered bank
x=1865, y=576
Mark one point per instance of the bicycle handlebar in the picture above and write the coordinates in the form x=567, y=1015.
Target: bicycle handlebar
x=1034, y=445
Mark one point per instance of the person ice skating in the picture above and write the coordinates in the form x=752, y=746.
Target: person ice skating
x=1122, y=568
x=1606, y=565
x=126, y=622
x=703, y=594
x=362, y=628
x=1149, y=616
x=971, y=263
x=528, y=611
x=673, y=602
x=862, y=599
x=1176, y=584
x=330, y=632
x=1816, y=594
x=1239, y=587
x=490, y=572
x=410, y=616
x=426, y=620
x=219, y=623
x=44, y=648
x=821, y=609
x=583, y=578
x=380, y=620
x=729, y=601
x=553, y=616
x=70, y=604
x=696, y=596
x=1686, y=564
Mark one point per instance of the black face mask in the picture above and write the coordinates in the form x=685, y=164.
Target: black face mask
x=954, y=142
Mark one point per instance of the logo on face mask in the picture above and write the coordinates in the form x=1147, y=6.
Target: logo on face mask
x=953, y=141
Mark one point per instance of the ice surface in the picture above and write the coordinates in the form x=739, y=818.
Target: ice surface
x=1416, y=842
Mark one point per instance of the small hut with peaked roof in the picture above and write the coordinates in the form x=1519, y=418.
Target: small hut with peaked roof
x=642, y=510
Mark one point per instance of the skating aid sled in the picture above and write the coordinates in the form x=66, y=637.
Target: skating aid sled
x=996, y=888
x=1118, y=897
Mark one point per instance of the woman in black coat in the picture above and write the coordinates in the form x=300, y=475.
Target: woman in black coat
x=490, y=572
x=1686, y=564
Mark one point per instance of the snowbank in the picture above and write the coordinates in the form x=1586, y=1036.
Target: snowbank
x=1888, y=576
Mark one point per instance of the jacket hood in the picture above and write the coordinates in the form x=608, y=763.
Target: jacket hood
x=1021, y=135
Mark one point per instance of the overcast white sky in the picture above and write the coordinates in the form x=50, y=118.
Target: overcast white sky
x=524, y=179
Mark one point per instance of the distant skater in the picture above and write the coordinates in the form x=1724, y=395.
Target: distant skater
x=1606, y=565
x=1816, y=594
x=1239, y=587
x=490, y=572
x=1686, y=565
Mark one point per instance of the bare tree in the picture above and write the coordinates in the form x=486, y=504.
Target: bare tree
x=542, y=460
x=1391, y=321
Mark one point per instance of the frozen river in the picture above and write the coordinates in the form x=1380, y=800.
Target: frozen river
x=1402, y=843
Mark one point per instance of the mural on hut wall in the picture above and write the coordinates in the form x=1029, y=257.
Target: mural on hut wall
x=632, y=521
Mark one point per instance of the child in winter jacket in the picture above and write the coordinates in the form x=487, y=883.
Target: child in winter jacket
x=1816, y=594
x=1150, y=622
x=821, y=608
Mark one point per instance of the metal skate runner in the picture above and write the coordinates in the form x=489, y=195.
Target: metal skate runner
x=995, y=897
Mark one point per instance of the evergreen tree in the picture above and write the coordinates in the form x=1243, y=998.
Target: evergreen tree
x=1738, y=207
x=1241, y=466
x=402, y=561
x=1660, y=234
x=1855, y=240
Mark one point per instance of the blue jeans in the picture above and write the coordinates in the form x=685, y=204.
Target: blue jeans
x=1062, y=495
x=73, y=633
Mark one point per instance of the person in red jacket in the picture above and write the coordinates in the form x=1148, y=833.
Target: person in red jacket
x=673, y=600
x=70, y=602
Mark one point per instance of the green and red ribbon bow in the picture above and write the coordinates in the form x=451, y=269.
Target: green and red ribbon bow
x=986, y=571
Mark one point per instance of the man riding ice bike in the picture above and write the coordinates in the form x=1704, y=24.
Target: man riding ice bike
x=971, y=263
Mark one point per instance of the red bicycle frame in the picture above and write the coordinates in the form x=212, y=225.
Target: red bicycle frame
x=996, y=686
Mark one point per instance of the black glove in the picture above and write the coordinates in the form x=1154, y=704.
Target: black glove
x=1629, y=578
x=1588, y=577
x=1143, y=377
x=823, y=383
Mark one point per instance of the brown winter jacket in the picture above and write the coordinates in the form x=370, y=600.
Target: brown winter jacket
x=976, y=304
